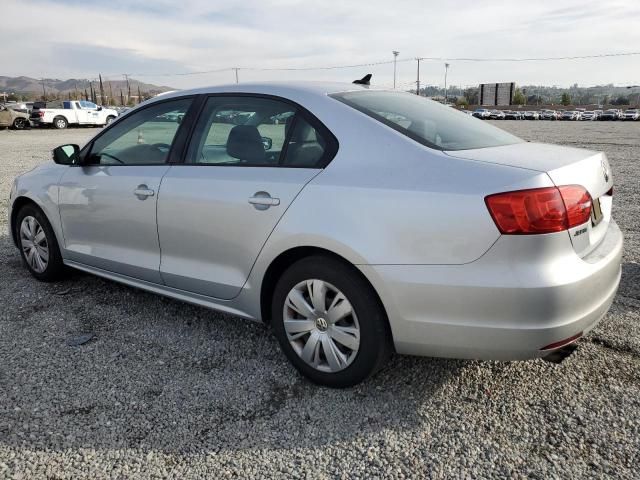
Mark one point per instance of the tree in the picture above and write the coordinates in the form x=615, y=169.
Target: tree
x=518, y=97
x=471, y=95
x=566, y=99
x=621, y=100
x=462, y=102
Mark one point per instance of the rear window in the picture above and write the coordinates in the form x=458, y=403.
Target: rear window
x=427, y=122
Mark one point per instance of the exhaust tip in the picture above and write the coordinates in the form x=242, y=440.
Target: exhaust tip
x=559, y=355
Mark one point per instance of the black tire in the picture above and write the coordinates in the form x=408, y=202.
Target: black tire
x=55, y=268
x=109, y=119
x=60, y=123
x=20, y=123
x=375, y=339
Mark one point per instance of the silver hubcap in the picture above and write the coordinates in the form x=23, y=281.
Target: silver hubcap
x=60, y=123
x=321, y=325
x=34, y=244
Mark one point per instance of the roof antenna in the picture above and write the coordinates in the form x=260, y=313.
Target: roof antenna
x=366, y=80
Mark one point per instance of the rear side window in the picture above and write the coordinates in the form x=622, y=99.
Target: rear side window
x=257, y=132
x=427, y=122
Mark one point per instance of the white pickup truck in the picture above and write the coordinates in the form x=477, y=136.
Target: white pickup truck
x=73, y=112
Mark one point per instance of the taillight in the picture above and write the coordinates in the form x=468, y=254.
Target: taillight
x=540, y=210
x=578, y=204
x=41, y=114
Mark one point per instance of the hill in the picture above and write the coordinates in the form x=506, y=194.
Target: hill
x=27, y=88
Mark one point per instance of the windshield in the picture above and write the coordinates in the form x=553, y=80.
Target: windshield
x=427, y=122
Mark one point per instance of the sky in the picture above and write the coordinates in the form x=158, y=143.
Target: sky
x=165, y=41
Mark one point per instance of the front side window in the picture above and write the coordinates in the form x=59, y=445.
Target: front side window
x=88, y=105
x=254, y=131
x=142, y=138
x=425, y=121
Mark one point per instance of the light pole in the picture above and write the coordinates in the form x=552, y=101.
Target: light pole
x=637, y=95
x=446, y=69
x=418, y=80
x=395, y=56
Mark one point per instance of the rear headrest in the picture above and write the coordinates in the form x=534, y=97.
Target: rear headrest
x=302, y=131
x=245, y=143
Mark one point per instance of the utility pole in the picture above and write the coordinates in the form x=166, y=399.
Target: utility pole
x=121, y=98
x=139, y=94
x=446, y=70
x=111, y=102
x=236, y=70
x=395, y=58
x=44, y=91
x=418, y=80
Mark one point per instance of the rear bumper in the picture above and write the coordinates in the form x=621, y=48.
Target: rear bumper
x=508, y=305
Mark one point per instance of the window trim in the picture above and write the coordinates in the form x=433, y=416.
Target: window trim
x=332, y=144
x=85, y=153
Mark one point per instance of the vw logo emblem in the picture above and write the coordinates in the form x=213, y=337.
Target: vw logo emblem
x=321, y=324
x=605, y=171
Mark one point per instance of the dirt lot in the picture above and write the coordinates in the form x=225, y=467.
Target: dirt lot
x=169, y=389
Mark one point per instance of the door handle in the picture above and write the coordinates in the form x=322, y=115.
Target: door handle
x=142, y=192
x=262, y=201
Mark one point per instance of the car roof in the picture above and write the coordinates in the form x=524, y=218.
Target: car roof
x=280, y=89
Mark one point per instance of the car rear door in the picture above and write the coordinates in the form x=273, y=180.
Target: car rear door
x=248, y=159
x=108, y=205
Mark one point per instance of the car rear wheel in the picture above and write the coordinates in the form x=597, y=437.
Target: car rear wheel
x=110, y=119
x=60, y=123
x=20, y=123
x=329, y=322
x=38, y=245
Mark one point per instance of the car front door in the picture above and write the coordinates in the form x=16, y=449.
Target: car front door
x=108, y=204
x=248, y=159
x=88, y=113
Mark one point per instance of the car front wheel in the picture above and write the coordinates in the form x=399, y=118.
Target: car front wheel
x=38, y=244
x=329, y=322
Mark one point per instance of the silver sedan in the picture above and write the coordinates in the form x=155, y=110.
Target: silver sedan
x=355, y=221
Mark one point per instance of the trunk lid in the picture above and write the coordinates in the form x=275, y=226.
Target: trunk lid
x=565, y=166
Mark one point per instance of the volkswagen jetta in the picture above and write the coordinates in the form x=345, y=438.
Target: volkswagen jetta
x=356, y=221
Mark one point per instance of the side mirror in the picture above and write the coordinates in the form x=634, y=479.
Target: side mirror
x=267, y=143
x=67, y=154
x=99, y=108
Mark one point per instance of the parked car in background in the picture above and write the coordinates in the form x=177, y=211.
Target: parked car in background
x=483, y=113
x=611, y=114
x=10, y=118
x=531, y=115
x=548, y=115
x=73, y=113
x=570, y=115
x=496, y=115
x=479, y=245
x=511, y=115
x=631, y=114
x=22, y=107
x=589, y=115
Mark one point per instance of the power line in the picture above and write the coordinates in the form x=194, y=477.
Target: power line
x=539, y=59
x=376, y=63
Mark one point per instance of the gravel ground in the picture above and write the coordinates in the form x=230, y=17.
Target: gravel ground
x=169, y=389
